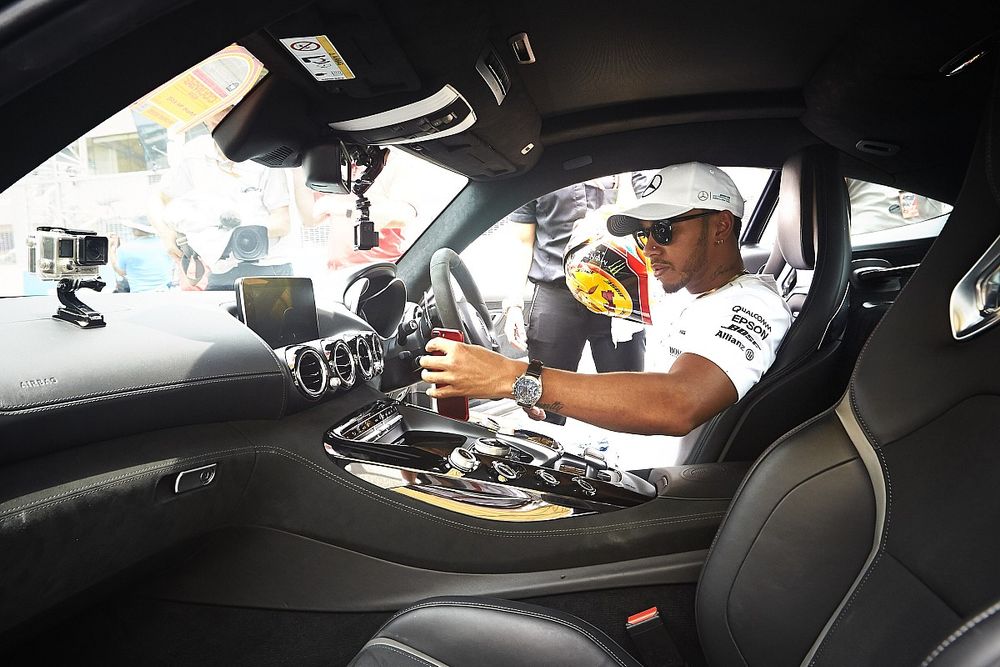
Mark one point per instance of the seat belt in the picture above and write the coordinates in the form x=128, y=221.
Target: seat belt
x=650, y=637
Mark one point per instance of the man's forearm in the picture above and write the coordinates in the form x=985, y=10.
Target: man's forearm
x=644, y=403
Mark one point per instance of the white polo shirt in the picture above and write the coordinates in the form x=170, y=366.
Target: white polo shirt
x=738, y=327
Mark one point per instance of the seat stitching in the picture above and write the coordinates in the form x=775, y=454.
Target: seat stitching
x=404, y=653
x=568, y=532
x=523, y=612
x=117, y=480
x=873, y=441
x=955, y=636
x=28, y=408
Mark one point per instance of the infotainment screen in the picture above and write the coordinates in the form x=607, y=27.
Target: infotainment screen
x=282, y=311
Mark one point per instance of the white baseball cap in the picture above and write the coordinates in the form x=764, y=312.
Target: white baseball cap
x=678, y=189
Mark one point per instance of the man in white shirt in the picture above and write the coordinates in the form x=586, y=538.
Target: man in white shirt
x=688, y=221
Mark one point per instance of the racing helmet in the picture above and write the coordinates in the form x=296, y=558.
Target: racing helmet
x=607, y=274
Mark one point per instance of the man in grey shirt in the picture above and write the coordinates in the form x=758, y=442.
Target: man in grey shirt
x=558, y=326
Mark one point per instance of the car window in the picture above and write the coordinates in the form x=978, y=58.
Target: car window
x=181, y=216
x=883, y=214
x=563, y=219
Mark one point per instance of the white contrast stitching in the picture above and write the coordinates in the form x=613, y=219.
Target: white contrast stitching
x=955, y=636
x=64, y=400
x=404, y=653
x=114, y=481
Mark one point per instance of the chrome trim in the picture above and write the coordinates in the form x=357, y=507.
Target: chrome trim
x=463, y=460
x=585, y=486
x=364, y=359
x=471, y=496
x=348, y=376
x=484, y=446
x=383, y=418
x=504, y=470
x=299, y=354
x=975, y=301
x=204, y=483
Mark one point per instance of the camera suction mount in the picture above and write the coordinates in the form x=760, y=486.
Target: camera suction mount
x=75, y=311
x=372, y=158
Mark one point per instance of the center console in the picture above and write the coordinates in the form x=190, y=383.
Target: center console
x=477, y=469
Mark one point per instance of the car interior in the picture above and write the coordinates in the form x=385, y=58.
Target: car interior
x=194, y=481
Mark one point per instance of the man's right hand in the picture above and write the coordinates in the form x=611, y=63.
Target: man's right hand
x=514, y=328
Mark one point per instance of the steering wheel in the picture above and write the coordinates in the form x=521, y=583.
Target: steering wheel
x=466, y=312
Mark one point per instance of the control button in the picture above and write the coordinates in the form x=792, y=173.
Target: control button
x=463, y=460
x=197, y=478
x=492, y=447
x=547, y=477
x=610, y=475
x=594, y=452
x=585, y=486
x=504, y=470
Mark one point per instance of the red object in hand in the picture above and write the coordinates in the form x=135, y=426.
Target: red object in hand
x=457, y=407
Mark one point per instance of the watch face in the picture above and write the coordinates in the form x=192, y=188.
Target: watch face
x=527, y=390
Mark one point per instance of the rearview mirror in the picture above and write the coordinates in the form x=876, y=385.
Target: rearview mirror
x=327, y=169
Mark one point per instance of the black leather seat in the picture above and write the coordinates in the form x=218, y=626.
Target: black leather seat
x=813, y=237
x=866, y=536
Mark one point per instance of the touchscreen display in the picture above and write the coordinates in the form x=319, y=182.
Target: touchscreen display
x=282, y=311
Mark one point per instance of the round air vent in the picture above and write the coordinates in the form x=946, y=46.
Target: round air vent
x=365, y=358
x=310, y=372
x=377, y=352
x=343, y=363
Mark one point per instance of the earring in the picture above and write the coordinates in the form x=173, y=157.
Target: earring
x=719, y=241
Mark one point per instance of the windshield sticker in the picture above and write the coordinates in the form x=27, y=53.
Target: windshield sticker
x=210, y=87
x=319, y=57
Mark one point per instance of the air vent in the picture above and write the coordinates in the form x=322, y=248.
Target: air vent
x=344, y=367
x=275, y=158
x=365, y=359
x=310, y=372
x=377, y=352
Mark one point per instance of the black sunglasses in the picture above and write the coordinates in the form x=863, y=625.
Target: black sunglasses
x=662, y=230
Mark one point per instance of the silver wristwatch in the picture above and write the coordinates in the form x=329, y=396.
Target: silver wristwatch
x=527, y=389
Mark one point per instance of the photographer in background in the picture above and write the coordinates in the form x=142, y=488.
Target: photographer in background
x=205, y=198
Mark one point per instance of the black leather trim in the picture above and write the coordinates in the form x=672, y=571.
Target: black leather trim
x=975, y=644
x=158, y=363
x=490, y=631
x=808, y=499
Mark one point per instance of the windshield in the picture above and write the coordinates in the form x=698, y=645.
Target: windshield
x=180, y=216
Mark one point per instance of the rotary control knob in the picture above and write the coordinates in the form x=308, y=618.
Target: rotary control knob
x=492, y=447
x=585, y=486
x=463, y=460
x=547, y=477
x=504, y=470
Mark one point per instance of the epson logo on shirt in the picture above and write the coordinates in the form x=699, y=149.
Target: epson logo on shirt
x=755, y=323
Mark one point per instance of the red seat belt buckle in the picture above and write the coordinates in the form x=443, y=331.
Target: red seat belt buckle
x=651, y=639
x=636, y=619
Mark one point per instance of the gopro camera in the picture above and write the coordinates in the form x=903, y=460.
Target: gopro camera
x=55, y=253
x=247, y=243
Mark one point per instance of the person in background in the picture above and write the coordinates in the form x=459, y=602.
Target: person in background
x=142, y=262
x=558, y=326
x=204, y=197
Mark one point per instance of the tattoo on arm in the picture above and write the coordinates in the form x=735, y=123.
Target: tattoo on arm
x=553, y=407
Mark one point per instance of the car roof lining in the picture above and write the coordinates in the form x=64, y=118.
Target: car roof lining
x=837, y=69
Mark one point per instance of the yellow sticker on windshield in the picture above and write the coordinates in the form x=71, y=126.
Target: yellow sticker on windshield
x=318, y=55
x=212, y=86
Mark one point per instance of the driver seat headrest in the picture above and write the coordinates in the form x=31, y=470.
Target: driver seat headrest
x=796, y=203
